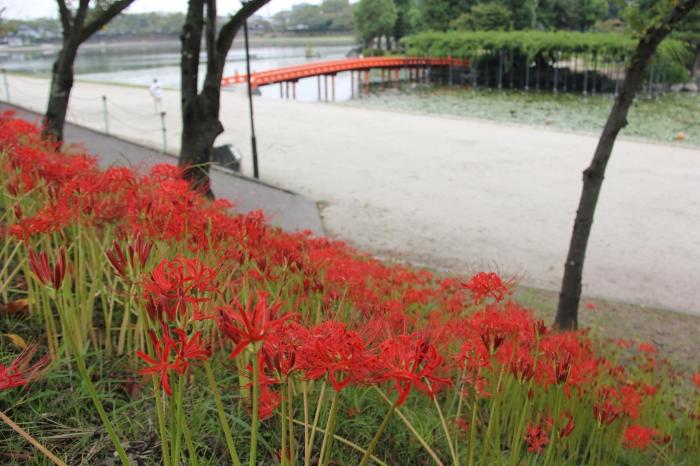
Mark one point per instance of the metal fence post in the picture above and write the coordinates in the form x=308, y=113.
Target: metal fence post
x=162, y=128
x=104, y=111
x=7, y=86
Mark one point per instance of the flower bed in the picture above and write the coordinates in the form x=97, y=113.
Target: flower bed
x=255, y=345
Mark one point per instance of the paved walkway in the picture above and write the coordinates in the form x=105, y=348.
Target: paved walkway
x=283, y=208
x=456, y=193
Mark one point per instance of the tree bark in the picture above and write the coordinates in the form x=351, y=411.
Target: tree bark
x=200, y=110
x=61, y=85
x=75, y=31
x=569, y=297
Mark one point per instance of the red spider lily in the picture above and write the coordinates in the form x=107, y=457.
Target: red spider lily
x=251, y=324
x=605, y=413
x=648, y=348
x=568, y=428
x=485, y=285
x=537, y=437
x=335, y=351
x=46, y=274
x=20, y=371
x=280, y=350
x=410, y=361
x=175, y=284
x=136, y=253
x=163, y=362
x=695, y=378
x=189, y=349
x=638, y=437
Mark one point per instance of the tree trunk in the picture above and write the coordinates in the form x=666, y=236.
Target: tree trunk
x=569, y=297
x=200, y=128
x=61, y=85
x=696, y=63
x=200, y=110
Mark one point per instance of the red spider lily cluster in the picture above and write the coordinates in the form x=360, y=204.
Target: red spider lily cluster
x=277, y=307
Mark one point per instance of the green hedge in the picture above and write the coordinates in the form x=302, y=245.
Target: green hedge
x=472, y=44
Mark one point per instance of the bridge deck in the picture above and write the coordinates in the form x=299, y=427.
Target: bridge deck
x=331, y=67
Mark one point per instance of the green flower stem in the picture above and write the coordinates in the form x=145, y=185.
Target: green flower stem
x=327, y=444
x=377, y=435
x=235, y=460
x=256, y=417
x=472, y=432
x=448, y=437
x=188, y=439
x=290, y=416
x=161, y=423
x=413, y=430
x=283, y=425
x=310, y=444
x=305, y=397
x=98, y=405
x=175, y=432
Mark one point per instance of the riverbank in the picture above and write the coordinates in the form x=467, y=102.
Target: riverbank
x=452, y=193
x=173, y=43
x=659, y=119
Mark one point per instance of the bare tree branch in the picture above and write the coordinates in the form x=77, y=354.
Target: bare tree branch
x=103, y=18
x=66, y=17
x=191, y=44
x=229, y=30
x=210, y=37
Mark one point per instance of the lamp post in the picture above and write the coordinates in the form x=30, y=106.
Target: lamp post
x=250, y=102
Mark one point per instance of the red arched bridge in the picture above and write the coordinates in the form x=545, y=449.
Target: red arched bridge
x=416, y=69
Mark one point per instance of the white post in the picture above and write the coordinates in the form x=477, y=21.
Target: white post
x=162, y=127
x=104, y=111
x=7, y=86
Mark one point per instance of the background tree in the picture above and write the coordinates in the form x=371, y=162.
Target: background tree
x=402, y=25
x=578, y=15
x=200, y=108
x=374, y=18
x=437, y=14
x=339, y=12
x=491, y=16
x=78, y=25
x=567, y=310
x=308, y=17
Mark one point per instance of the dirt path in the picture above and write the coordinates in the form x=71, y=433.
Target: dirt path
x=456, y=193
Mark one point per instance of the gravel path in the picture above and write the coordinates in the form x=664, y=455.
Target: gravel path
x=455, y=193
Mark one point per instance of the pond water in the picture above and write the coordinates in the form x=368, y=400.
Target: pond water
x=141, y=64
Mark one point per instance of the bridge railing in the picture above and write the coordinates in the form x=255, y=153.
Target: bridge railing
x=294, y=73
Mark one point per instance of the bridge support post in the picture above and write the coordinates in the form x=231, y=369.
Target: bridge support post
x=359, y=84
x=281, y=92
x=500, y=69
x=367, y=82
x=333, y=87
x=286, y=89
x=325, y=87
x=556, y=73
x=396, y=75
x=294, y=90
x=318, y=86
x=352, y=84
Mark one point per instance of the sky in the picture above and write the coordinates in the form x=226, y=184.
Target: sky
x=25, y=9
